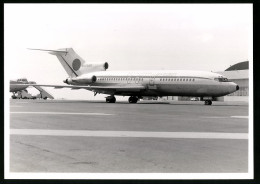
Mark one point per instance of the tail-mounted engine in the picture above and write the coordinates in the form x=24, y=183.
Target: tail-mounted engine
x=68, y=81
x=84, y=79
x=94, y=67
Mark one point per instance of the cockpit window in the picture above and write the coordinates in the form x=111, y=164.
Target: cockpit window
x=222, y=79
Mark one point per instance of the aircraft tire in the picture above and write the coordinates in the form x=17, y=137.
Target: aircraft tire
x=111, y=100
x=132, y=99
x=208, y=102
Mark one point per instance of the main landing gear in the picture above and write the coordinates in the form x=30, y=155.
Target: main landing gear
x=110, y=99
x=208, y=102
x=133, y=99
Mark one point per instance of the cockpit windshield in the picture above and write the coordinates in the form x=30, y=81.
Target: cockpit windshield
x=222, y=79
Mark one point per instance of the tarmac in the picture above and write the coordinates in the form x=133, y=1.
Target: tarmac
x=148, y=137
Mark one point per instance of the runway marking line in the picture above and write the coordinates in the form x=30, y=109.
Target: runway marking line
x=136, y=134
x=223, y=117
x=63, y=113
x=244, y=117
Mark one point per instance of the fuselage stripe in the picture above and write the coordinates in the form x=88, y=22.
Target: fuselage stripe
x=69, y=66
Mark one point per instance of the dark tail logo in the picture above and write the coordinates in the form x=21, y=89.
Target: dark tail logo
x=76, y=64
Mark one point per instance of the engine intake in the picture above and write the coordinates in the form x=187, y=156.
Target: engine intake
x=106, y=65
x=68, y=81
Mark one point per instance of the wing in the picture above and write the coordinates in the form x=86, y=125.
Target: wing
x=96, y=88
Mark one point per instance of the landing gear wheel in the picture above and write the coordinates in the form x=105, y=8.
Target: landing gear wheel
x=110, y=99
x=208, y=102
x=132, y=99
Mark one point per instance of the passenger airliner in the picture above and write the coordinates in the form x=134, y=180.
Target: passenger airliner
x=139, y=84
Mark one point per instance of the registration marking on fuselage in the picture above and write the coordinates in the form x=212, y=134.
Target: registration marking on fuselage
x=63, y=113
x=136, y=134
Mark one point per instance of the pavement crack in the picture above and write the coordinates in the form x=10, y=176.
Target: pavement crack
x=45, y=150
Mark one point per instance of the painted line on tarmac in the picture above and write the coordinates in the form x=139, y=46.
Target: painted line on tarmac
x=245, y=117
x=63, y=113
x=16, y=106
x=217, y=117
x=225, y=117
x=136, y=134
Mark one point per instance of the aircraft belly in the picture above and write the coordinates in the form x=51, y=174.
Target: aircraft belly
x=191, y=90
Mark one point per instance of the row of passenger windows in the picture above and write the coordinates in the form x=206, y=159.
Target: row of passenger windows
x=120, y=79
x=177, y=79
x=141, y=79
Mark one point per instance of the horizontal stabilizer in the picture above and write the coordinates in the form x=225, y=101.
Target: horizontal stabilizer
x=61, y=51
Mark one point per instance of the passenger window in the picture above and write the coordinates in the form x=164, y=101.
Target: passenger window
x=193, y=79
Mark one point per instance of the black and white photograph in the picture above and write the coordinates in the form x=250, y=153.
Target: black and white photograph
x=128, y=91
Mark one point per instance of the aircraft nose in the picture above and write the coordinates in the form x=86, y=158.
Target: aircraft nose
x=237, y=87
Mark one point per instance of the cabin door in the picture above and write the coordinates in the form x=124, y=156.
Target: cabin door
x=151, y=81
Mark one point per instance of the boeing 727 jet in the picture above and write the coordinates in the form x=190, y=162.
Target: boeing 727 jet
x=138, y=84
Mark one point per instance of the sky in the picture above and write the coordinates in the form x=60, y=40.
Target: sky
x=207, y=37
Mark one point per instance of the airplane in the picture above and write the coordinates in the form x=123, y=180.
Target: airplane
x=19, y=86
x=139, y=84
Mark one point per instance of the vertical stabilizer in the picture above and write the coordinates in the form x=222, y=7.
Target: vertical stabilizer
x=73, y=64
x=70, y=61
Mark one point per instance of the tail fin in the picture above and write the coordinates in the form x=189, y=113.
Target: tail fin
x=74, y=64
x=69, y=59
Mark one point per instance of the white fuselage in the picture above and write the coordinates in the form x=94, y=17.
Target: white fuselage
x=164, y=83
